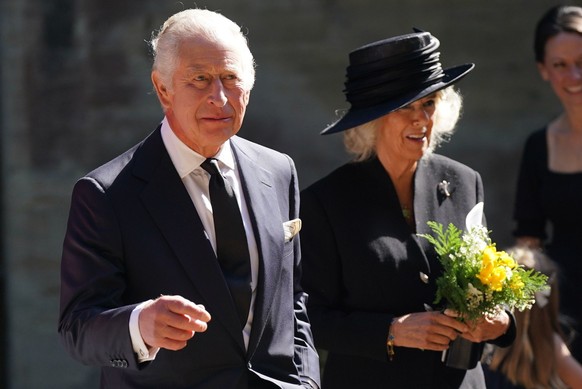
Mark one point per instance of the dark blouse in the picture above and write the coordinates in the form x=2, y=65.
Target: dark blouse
x=550, y=201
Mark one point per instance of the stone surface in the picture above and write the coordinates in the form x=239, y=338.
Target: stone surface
x=75, y=92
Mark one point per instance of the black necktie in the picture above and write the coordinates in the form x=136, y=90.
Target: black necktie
x=231, y=243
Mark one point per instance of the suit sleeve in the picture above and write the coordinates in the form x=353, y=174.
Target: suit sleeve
x=93, y=322
x=306, y=357
x=355, y=332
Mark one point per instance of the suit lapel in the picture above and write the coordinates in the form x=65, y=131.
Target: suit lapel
x=169, y=204
x=257, y=184
x=428, y=200
x=433, y=186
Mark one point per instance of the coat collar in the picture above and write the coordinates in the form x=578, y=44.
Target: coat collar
x=167, y=200
x=258, y=187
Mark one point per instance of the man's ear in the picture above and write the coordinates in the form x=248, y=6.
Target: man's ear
x=163, y=92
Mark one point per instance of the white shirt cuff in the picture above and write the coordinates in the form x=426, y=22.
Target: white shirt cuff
x=139, y=347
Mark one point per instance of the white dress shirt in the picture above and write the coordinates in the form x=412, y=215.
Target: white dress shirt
x=187, y=163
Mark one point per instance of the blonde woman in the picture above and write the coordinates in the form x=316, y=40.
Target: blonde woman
x=539, y=357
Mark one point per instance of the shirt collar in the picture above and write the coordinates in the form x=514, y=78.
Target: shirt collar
x=185, y=159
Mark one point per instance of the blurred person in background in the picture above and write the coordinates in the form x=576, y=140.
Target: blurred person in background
x=539, y=357
x=549, y=186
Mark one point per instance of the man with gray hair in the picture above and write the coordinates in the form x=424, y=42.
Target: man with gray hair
x=181, y=260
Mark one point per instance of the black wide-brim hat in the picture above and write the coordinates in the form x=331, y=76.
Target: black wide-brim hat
x=386, y=75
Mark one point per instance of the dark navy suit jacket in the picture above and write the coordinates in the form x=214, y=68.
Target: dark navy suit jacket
x=134, y=233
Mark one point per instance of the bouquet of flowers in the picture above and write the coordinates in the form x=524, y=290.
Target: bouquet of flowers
x=479, y=280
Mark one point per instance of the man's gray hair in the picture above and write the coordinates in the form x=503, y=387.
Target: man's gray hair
x=190, y=23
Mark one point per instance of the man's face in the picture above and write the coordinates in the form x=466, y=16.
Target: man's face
x=206, y=102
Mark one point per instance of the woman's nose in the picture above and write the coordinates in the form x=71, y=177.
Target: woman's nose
x=421, y=117
x=576, y=71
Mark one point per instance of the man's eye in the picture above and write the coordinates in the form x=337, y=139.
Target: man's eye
x=230, y=79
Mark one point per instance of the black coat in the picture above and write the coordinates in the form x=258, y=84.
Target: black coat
x=363, y=266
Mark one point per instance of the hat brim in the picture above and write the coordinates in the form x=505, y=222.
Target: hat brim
x=356, y=117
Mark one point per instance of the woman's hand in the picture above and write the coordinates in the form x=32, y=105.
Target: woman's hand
x=487, y=327
x=426, y=330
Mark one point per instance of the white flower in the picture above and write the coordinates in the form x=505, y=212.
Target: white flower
x=474, y=296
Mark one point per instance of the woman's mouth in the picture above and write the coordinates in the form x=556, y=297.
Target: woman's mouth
x=574, y=89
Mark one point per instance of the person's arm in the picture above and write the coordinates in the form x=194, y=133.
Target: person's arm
x=93, y=323
x=569, y=369
x=528, y=209
x=499, y=330
x=335, y=330
x=306, y=356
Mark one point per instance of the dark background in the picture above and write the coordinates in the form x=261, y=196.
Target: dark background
x=75, y=91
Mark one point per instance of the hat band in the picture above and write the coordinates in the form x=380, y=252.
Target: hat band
x=372, y=93
x=355, y=70
x=371, y=78
x=368, y=54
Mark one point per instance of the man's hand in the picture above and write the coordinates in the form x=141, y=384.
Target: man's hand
x=171, y=321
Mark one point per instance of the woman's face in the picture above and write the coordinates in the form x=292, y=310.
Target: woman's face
x=405, y=133
x=562, y=67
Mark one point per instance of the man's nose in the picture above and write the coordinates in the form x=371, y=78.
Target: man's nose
x=217, y=94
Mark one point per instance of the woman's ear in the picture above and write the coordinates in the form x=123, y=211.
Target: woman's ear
x=543, y=71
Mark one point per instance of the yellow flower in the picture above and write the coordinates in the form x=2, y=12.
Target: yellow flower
x=489, y=255
x=516, y=284
x=497, y=277
x=492, y=273
x=506, y=260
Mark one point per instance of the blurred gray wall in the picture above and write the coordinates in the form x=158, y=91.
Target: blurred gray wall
x=75, y=92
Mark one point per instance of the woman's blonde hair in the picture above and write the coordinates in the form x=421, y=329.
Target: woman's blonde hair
x=530, y=360
x=360, y=141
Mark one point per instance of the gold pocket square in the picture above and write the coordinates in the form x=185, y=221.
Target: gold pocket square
x=291, y=228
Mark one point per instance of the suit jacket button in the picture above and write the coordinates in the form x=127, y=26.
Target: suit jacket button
x=423, y=277
x=118, y=363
